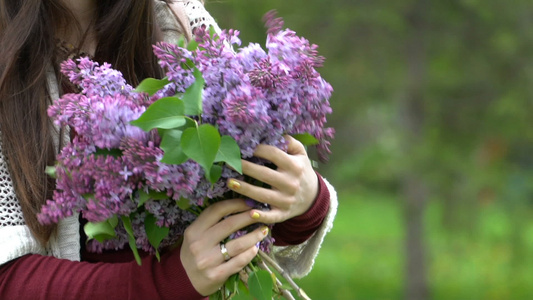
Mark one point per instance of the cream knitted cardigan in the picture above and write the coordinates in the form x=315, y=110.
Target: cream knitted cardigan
x=16, y=239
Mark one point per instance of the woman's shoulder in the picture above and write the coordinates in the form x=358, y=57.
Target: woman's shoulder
x=192, y=10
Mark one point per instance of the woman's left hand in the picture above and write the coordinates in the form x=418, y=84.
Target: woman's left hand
x=293, y=185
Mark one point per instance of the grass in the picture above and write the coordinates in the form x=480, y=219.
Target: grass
x=363, y=256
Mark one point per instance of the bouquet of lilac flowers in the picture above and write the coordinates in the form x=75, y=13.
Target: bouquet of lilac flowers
x=144, y=162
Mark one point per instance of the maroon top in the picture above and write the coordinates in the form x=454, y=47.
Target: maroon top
x=116, y=275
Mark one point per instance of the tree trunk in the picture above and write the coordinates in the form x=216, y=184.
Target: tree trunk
x=412, y=108
x=415, y=203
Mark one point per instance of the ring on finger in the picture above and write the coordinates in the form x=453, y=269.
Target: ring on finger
x=224, y=252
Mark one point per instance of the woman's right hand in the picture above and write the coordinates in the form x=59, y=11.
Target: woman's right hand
x=200, y=252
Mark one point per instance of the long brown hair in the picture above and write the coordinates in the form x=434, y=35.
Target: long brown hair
x=125, y=31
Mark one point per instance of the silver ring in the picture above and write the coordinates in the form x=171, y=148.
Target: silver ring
x=224, y=252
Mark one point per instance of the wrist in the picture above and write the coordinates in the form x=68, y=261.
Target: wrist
x=299, y=229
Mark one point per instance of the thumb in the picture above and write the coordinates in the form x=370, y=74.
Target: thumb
x=294, y=147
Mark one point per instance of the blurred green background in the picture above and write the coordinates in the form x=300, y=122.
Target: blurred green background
x=433, y=156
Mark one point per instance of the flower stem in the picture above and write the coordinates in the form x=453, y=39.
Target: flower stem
x=283, y=292
x=268, y=260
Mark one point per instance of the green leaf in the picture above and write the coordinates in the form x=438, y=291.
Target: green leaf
x=216, y=296
x=274, y=285
x=151, y=85
x=183, y=203
x=154, y=233
x=143, y=196
x=201, y=145
x=171, y=145
x=231, y=283
x=305, y=138
x=108, y=152
x=192, y=98
x=51, y=171
x=113, y=221
x=286, y=286
x=192, y=45
x=165, y=113
x=101, y=231
x=212, y=31
x=215, y=173
x=242, y=293
x=260, y=284
x=241, y=296
x=181, y=42
x=243, y=289
x=88, y=196
x=230, y=153
x=131, y=238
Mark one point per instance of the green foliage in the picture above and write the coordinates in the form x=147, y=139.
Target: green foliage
x=260, y=285
x=165, y=113
x=229, y=152
x=171, y=145
x=110, y=152
x=153, y=195
x=182, y=136
x=126, y=221
x=151, y=85
x=101, y=231
x=306, y=139
x=50, y=171
x=193, y=95
x=363, y=257
x=154, y=232
x=201, y=144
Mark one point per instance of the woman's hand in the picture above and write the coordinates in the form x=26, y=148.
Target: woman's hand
x=201, y=254
x=294, y=184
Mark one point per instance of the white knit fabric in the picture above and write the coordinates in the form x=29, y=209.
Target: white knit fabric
x=198, y=15
x=16, y=239
x=299, y=260
x=10, y=211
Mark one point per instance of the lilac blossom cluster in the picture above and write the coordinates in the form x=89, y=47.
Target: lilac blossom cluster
x=109, y=162
x=252, y=95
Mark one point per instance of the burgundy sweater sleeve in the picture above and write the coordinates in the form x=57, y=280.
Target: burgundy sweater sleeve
x=299, y=229
x=43, y=277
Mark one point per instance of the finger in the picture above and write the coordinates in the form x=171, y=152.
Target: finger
x=270, y=196
x=241, y=244
x=274, y=155
x=215, y=212
x=274, y=178
x=279, y=157
x=229, y=225
x=272, y=216
x=236, y=264
x=295, y=147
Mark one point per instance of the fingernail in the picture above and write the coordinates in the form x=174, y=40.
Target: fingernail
x=255, y=215
x=234, y=184
x=265, y=230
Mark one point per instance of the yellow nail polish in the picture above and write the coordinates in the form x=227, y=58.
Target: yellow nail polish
x=234, y=184
x=265, y=230
x=255, y=215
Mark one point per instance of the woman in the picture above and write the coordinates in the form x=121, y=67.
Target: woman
x=47, y=262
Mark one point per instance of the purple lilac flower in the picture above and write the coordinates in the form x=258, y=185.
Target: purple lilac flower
x=95, y=80
x=176, y=61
